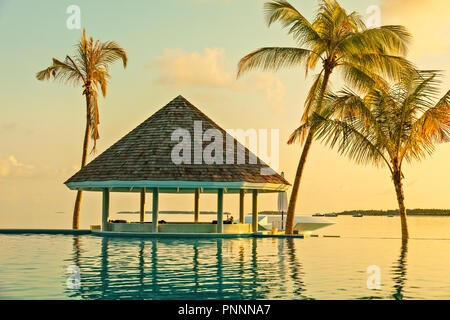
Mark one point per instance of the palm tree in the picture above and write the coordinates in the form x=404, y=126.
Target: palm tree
x=89, y=67
x=336, y=40
x=389, y=124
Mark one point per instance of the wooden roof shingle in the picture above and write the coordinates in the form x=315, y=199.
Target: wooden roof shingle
x=144, y=154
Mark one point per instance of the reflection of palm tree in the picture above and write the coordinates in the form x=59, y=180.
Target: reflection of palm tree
x=399, y=270
x=104, y=268
x=154, y=267
x=241, y=269
x=219, y=268
x=76, y=258
x=281, y=262
x=296, y=269
x=141, y=268
x=195, y=266
x=254, y=267
x=76, y=250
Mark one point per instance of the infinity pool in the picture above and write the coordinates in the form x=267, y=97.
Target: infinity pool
x=35, y=267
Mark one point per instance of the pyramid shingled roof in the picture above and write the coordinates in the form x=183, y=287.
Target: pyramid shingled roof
x=142, y=158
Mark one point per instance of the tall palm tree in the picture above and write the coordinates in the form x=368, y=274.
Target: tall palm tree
x=388, y=125
x=337, y=40
x=89, y=67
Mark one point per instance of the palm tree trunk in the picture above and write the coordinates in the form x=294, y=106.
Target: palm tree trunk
x=397, y=177
x=296, y=186
x=76, y=210
x=302, y=162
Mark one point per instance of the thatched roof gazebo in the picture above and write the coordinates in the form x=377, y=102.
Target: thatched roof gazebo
x=143, y=161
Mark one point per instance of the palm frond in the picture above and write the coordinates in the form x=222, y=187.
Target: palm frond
x=110, y=52
x=360, y=78
x=62, y=71
x=351, y=140
x=88, y=67
x=299, y=134
x=313, y=97
x=388, y=40
x=101, y=76
x=273, y=58
x=94, y=119
x=45, y=74
x=434, y=124
x=291, y=18
x=390, y=67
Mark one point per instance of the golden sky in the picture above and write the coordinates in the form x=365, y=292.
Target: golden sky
x=191, y=48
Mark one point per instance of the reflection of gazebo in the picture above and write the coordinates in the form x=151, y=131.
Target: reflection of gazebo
x=142, y=161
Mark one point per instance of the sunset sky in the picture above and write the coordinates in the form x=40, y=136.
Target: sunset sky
x=187, y=47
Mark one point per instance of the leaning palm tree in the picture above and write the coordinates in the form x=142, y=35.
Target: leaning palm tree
x=89, y=67
x=388, y=125
x=337, y=40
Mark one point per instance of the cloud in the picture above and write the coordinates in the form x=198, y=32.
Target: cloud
x=274, y=89
x=11, y=167
x=8, y=127
x=179, y=69
x=207, y=70
x=426, y=20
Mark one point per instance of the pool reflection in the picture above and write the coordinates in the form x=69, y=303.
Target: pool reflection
x=399, y=270
x=197, y=269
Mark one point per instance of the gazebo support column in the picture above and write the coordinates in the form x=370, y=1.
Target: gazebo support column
x=255, y=211
x=196, y=205
x=155, y=210
x=105, y=209
x=142, y=208
x=219, y=210
x=241, y=206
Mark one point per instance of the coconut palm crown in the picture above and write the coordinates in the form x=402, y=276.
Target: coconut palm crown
x=388, y=126
x=334, y=40
x=89, y=67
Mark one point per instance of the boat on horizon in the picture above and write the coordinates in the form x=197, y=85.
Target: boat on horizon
x=358, y=215
x=331, y=215
x=302, y=224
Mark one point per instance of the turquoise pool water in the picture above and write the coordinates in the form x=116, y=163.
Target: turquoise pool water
x=35, y=266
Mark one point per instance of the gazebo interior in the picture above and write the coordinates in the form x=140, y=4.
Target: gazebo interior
x=218, y=225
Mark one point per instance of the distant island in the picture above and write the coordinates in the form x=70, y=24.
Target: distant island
x=410, y=212
x=171, y=212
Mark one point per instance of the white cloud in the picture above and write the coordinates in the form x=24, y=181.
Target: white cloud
x=207, y=70
x=179, y=69
x=11, y=167
x=274, y=89
x=8, y=127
